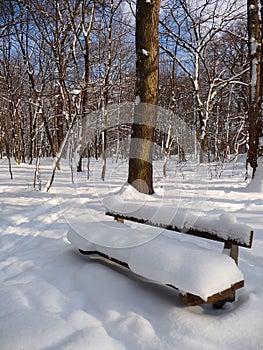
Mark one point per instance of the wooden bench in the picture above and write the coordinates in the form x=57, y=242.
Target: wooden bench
x=232, y=235
x=231, y=240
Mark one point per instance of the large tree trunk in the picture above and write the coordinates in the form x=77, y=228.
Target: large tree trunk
x=254, y=53
x=147, y=53
x=260, y=121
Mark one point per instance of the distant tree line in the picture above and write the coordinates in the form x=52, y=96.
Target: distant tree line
x=59, y=58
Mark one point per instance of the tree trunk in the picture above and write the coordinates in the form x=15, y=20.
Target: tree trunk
x=86, y=31
x=254, y=54
x=260, y=121
x=147, y=53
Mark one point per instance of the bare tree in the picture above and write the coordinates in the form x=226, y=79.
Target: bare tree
x=254, y=49
x=106, y=84
x=255, y=110
x=194, y=27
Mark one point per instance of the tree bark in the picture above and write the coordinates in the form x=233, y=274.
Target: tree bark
x=254, y=54
x=260, y=121
x=147, y=62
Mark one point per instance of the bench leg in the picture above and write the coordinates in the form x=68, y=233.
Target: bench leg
x=219, y=304
x=231, y=250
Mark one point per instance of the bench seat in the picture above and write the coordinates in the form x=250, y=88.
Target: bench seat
x=201, y=275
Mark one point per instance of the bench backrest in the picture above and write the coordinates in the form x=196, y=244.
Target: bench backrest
x=216, y=229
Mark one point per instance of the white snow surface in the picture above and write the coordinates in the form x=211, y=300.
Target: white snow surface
x=52, y=297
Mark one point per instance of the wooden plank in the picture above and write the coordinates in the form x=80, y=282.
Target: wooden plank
x=191, y=231
x=105, y=256
x=217, y=299
x=118, y=219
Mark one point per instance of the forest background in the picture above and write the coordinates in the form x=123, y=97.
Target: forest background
x=61, y=61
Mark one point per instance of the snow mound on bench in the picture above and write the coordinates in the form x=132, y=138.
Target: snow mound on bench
x=186, y=266
x=111, y=234
x=128, y=202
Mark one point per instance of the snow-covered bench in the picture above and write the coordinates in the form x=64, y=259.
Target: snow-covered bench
x=200, y=275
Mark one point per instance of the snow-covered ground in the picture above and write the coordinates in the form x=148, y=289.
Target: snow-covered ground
x=51, y=297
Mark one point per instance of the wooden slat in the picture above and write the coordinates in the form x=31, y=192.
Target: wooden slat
x=107, y=257
x=191, y=231
x=218, y=299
